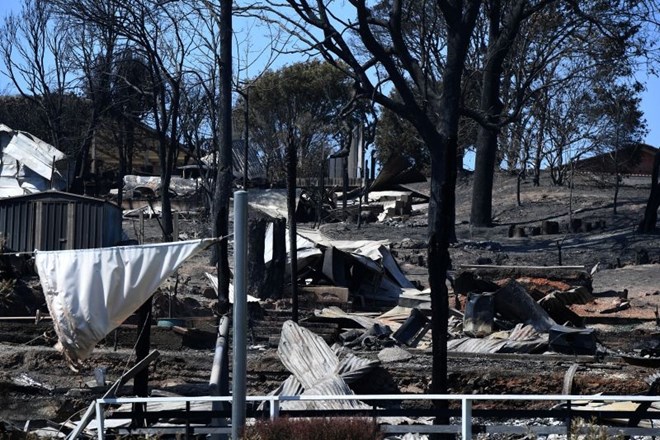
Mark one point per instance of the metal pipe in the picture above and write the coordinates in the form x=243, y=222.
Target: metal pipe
x=100, y=429
x=219, y=375
x=466, y=419
x=240, y=314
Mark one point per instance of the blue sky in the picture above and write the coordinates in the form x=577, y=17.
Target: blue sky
x=650, y=104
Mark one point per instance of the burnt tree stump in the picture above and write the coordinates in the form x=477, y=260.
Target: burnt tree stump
x=550, y=227
x=256, y=267
x=575, y=225
x=274, y=279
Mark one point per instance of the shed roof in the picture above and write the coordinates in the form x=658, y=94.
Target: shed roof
x=55, y=194
x=635, y=158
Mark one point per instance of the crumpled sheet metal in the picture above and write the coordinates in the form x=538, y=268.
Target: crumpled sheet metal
x=513, y=303
x=522, y=339
x=335, y=313
x=332, y=385
x=317, y=370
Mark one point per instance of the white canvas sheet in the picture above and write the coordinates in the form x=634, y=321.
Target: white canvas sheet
x=90, y=292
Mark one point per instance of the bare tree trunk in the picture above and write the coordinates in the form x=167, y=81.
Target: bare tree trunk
x=484, y=173
x=443, y=145
x=275, y=274
x=166, y=206
x=256, y=265
x=500, y=40
x=648, y=223
x=291, y=163
x=141, y=380
x=223, y=183
x=344, y=178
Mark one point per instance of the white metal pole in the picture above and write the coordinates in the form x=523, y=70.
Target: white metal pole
x=466, y=419
x=274, y=408
x=240, y=314
x=100, y=429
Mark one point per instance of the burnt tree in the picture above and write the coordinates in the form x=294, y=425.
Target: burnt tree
x=647, y=225
x=385, y=38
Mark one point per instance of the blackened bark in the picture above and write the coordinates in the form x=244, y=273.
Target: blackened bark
x=344, y=178
x=166, y=206
x=650, y=219
x=223, y=183
x=442, y=142
x=484, y=172
x=277, y=268
x=501, y=38
x=142, y=346
x=291, y=162
x=256, y=266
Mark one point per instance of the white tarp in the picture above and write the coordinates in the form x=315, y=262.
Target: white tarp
x=90, y=292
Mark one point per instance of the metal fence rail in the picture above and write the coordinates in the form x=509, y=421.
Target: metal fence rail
x=466, y=414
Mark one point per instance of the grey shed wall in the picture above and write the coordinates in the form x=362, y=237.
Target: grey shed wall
x=55, y=221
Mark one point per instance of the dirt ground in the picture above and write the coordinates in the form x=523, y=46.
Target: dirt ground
x=35, y=382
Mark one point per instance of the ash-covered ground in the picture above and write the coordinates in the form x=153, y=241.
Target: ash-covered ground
x=35, y=382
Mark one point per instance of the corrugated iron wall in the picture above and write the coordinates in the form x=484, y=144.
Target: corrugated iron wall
x=17, y=226
x=58, y=223
x=51, y=225
x=88, y=232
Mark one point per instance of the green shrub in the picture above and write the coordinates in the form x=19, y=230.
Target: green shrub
x=313, y=429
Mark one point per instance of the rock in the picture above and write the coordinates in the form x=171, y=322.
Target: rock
x=209, y=293
x=484, y=260
x=641, y=256
x=393, y=354
x=467, y=281
x=549, y=227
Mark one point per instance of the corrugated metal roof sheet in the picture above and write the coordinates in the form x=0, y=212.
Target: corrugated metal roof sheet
x=255, y=167
x=317, y=369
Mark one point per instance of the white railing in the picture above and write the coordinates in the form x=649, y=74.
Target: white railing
x=466, y=400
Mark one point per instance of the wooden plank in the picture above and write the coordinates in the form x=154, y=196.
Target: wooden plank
x=326, y=294
x=494, y=266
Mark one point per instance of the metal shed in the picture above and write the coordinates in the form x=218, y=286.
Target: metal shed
x=54, y=220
